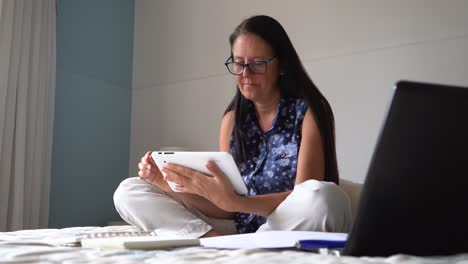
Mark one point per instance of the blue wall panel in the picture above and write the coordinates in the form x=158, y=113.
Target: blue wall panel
x=92, y=110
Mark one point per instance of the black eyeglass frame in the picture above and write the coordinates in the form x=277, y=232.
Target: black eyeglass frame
x=264, y=62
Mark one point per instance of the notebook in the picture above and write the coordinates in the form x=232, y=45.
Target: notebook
x=120, y=237
x=414, y=199
x=138, y=242
x=73, y=238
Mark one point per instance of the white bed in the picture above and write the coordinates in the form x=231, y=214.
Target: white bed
x=29, y=246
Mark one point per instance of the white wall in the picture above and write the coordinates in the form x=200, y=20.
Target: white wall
x=354, y=51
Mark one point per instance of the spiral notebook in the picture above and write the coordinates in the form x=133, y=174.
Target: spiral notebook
x=135, y=240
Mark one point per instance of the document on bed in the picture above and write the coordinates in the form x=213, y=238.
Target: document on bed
x=270, y=239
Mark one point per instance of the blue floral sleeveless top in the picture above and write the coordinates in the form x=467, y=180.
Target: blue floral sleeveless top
x=271, y=161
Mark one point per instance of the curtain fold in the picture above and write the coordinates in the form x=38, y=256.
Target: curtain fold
x=27, y=90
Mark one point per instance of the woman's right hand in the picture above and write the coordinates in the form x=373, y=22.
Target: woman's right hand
x=150, y=172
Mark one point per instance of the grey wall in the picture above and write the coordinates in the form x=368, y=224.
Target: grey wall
x=353, y=50
x=92, y=113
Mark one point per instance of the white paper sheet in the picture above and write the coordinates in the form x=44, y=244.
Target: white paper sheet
x=270, y=239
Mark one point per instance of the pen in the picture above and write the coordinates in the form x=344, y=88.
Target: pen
x=315, y=244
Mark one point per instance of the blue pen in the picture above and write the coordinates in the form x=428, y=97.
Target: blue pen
x=315, y=244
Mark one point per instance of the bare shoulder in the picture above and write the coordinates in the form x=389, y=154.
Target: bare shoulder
x=311, y=160
x=311, y=135
x=227, y=125
x=309, y=124
x=228, y=116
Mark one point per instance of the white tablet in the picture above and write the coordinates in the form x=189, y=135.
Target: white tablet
x=197, y=161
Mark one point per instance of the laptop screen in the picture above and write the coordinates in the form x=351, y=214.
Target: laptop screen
x=415, y=196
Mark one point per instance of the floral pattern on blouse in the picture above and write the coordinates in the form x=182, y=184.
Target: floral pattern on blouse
x=271, y=161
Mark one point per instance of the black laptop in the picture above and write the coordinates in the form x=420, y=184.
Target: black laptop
x=415, y=196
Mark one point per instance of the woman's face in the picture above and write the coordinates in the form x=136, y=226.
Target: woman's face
x=258, y=87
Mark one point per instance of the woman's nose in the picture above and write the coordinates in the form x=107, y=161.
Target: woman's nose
x=246, y=71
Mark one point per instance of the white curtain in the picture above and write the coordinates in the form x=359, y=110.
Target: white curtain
x=27, y=88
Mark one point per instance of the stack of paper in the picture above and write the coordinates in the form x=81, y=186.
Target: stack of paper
x=270, y=239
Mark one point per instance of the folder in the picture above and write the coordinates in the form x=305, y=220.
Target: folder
x=313, y=244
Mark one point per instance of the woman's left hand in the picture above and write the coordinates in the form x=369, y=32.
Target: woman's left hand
x=215, y=187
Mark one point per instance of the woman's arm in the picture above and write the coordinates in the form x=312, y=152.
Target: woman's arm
x=311, y=159
x=262, y=205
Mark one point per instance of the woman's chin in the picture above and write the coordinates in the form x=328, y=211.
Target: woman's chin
x=249, y=92
x=249, y=96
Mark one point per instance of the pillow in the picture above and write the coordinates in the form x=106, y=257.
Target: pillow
x=353, y=189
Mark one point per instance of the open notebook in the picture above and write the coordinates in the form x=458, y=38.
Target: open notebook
x=120, y=240
x=136, y=241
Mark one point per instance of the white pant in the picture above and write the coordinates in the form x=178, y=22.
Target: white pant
x=312, y=206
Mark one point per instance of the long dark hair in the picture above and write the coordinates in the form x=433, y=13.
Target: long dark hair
x=294, y=82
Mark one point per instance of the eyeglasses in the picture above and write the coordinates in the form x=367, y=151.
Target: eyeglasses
x=237, y=68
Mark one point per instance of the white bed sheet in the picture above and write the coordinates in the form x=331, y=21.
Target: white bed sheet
x=30, y=246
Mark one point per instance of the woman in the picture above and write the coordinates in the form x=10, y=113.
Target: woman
x=280, y=130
